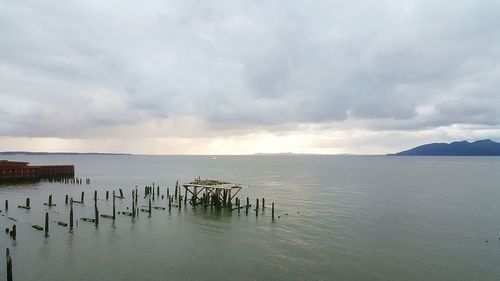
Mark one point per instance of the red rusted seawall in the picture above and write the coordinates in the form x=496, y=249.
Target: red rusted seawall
x=22, y=170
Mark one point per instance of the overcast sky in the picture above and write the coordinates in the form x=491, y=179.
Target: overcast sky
x=237, y=77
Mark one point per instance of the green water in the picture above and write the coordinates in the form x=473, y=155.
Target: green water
x=341, y=218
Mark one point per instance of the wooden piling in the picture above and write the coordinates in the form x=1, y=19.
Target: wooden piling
x=158, y=191
x=257, y=207
x=6, y=205
x=149, y=209
x=193, y=199
x=263, y=203
x=246, y=207
x=114, y=210
x=169, y=203
x=46, y=224
x=95, y=195
x=176, y=187
x=28, y=203
x=185, y=195
x=50, y=200
x=82, y=197
x=107, y=194
x=168, y=193
x=133, y=204
x=66, y=200
x=121, y=193
x=96, y=220
x=13, y=232
x=272, y=210
x=71, y=215
x=9, y=264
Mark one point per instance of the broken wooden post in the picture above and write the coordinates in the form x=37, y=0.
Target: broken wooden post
x=133, y=204
x=66, y=200
x=82, y=197
x=95, y=196
x=46, y=224
x=6, y=205
x=96, y=220
x=248, y=203
x=168, y=193
x=272, y=210
x=149, y=209
x=158, y=191
x=176, y=187
x=185, y=194
x=13, y=232
x=114, y=210
x=48, y=203
x=107, y=194
x=238, y=204
x=169, y=203
x=71, y=215
x=28, y=203
x=180, y=202
x=257, y=207
x=121, y=193
x=263, y=203
x=9, y=264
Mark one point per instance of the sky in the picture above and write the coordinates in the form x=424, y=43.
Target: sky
x=243, y=77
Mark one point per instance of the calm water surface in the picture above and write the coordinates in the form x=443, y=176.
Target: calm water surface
x=342, y=218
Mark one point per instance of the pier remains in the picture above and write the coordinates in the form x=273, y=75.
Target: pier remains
x=214, y=192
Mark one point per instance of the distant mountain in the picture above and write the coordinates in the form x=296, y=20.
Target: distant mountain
x=458, y=148
x=56, y=153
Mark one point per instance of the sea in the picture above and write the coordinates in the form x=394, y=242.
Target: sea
x=336, y=218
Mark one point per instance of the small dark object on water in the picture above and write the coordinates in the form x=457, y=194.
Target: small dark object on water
x=486, y=241
x=37, y=227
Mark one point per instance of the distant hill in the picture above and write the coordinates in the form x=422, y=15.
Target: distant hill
x=56, y=153
x=458, y=148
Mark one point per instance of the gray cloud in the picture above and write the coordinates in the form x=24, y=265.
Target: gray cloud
x=66, y=68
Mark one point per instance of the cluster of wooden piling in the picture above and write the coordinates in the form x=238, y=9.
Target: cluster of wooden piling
x=220, y=198
x=68, y=180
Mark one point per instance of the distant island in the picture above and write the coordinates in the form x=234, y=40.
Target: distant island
x=459, y=148
x=57, y=153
